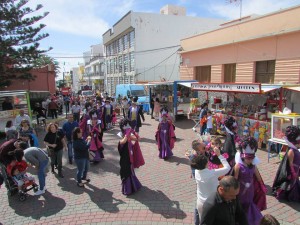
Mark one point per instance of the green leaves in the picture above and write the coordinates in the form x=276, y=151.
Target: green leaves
x=20, y=34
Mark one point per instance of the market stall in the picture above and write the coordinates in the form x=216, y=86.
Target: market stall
x=174, y=95
x=250, y=104
x=18, y=100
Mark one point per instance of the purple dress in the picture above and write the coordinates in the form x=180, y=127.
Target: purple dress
x=294, y=193
x=164, y=148
x=130, y=182
x=246, y=194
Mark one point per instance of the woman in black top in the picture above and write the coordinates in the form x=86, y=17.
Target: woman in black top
x=81, y=156
x=54, y=139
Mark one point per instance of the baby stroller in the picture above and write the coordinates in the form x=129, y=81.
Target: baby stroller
x=12, y=187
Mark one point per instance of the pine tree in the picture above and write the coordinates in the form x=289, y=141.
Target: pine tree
x=19, y=40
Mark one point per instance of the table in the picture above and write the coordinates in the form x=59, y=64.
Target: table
x=196, y=120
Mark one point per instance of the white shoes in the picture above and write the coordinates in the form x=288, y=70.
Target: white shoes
x=194, y=129
x=44, y=189
x=39, y=192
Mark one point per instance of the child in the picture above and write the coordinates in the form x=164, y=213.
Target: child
x=214, y=161
x=209, y=124
x=246, y=172
x=20, y=178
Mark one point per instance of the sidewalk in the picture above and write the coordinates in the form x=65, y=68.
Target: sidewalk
x=167, y=197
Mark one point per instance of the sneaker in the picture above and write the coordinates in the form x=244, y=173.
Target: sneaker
x=194, y=129
x=39, y=192
x=44, y=189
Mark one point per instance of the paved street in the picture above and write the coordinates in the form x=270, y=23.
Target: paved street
x=167, y=197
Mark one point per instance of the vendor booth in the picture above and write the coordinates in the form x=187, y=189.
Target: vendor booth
x=18, y=100
x=176, y=96
x=252, y=105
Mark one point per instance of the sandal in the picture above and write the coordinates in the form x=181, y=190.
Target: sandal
x=80, y=185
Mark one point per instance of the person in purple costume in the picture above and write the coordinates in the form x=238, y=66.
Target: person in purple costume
x=246, y=172
x=165, y=136
x=286, y=183
x=130, y=182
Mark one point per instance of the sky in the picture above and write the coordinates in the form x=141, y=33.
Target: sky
x=75, y=25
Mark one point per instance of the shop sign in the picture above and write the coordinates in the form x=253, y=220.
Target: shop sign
x=247, y=88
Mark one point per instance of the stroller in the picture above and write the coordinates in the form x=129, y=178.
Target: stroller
x=12, y=187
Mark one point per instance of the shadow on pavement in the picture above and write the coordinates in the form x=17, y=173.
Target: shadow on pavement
x=177, y=160
x=167, y=208
x=37, y=206
x=148, y=140
x=103, y=198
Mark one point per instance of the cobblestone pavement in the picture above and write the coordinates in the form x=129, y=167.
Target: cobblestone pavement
x=167, y=196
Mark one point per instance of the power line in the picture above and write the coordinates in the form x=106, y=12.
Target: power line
x=101, y=56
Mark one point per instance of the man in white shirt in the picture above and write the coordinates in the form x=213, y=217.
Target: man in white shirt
x=76, y=111
x=20, y=117
x=45, y=106
x=207, y=180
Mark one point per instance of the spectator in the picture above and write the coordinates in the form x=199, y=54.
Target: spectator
x=76, y=111
x=68, y=128
x=20, y=117
x=10, y=131
x=156, y=108
x=152, y=105
x=207, y=180
x=6, y=104
x=45, y=106
x=27, y=134
x=54, y=139
x=203, y=118
x=39, y=160
x=9, y=146
x=40, y=113
x=222, y=207
x=53, y=107
x=81, y=156
x=209, y=124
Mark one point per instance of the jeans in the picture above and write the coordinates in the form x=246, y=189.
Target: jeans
x=82, y=168
x=70, y=150
x=203, y=128
x=76, y=116
x=53, y=113
x=42, y=173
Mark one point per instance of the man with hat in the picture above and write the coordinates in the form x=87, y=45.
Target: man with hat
x=135, y=112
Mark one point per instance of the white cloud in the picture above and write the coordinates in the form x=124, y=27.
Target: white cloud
x=232, y=11
x=81, y=17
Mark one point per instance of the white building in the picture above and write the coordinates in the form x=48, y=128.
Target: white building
x=94, y=67
x=143, y=47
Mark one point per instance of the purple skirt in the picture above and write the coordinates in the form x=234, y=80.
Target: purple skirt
x=130, y=185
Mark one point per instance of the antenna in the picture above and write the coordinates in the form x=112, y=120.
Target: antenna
x=238, y=2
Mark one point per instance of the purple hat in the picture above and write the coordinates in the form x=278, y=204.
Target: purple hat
x=248, y=147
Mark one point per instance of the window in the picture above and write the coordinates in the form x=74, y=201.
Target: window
x=203, y=74
x=126, y=63
x=108, y=66
x=265, y=71
x=229, y=73
x=120, y=47
x=112, y=63
x=125, y=42
x=131, y=39
x=131, y=59
x=120, y=63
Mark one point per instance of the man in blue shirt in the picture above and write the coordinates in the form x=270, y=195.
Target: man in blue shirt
x=68, y=128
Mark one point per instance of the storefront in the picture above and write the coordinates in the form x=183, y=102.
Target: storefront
x=250, y=104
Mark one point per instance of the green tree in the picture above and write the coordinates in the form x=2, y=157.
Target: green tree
x=45, y=60
x=19, y=40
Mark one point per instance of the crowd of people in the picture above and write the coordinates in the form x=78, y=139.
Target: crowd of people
x=230, y=189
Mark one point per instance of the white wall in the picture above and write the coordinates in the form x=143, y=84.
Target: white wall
x=153, y=31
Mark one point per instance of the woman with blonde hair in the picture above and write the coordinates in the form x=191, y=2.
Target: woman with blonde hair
x=55, y=143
